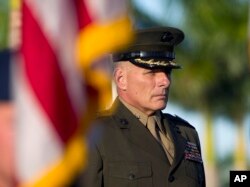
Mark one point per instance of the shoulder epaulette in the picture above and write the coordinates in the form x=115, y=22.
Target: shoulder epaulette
x=179, y=121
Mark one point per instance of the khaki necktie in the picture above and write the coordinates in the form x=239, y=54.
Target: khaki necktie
x=161, y=137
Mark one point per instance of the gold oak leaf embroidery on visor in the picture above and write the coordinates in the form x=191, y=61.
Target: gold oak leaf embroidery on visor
x=157, y=63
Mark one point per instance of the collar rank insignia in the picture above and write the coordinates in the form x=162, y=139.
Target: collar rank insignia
x=192, y=153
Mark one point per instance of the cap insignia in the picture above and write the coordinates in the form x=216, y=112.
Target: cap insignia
x=167, y=37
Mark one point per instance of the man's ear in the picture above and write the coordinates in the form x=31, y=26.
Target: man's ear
x=120, y=78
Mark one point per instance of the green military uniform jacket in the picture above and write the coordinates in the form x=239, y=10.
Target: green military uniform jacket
x=123, y=153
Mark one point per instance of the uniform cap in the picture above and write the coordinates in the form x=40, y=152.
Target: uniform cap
x=152, y=48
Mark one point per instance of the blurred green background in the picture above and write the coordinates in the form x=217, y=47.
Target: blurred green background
x=212, y=91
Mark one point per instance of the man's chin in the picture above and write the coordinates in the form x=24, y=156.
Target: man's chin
x=161, y=105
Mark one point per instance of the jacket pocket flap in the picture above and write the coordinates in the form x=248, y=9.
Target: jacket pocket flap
x=130, y=170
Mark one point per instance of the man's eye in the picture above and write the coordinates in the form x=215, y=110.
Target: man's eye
x=149, y=72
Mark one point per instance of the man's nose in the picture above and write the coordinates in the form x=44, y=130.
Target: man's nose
x=164, y=79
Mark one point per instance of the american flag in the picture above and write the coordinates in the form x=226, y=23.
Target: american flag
x=56, y=82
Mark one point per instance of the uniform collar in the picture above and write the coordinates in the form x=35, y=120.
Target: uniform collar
x=142, y=117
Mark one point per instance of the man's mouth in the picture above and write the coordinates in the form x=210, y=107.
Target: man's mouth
x=162, y=96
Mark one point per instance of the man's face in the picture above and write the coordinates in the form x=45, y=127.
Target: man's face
x=146, y=89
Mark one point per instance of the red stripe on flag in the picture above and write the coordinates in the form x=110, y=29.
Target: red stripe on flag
x=82, y=13
x=45, y=77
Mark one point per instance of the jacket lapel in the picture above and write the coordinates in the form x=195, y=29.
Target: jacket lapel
x=178, y=140
x=137, y=133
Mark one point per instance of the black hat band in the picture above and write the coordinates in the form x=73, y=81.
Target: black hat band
x=144, y=54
